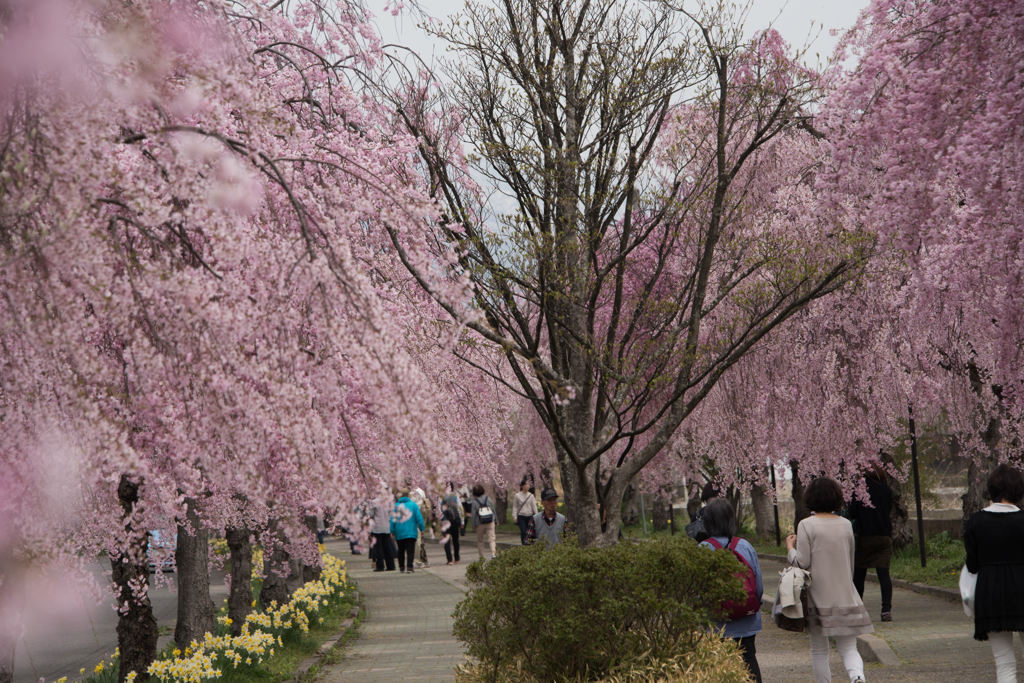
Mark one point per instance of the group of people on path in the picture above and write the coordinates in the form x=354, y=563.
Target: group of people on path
x=398, y=527
x=836, y=561
x=824, y=546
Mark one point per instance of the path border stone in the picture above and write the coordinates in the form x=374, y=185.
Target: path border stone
x=875, y=649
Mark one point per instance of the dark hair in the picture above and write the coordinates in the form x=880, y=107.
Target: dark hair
x=1005, y=483
x=478, y=490
x=823, y=495
x=709, y=491
x=523, y=482
x=719, y=518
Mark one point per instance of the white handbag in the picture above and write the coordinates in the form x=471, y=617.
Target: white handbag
x=968, y=586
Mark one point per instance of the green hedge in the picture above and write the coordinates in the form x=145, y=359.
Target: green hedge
x=584, y=613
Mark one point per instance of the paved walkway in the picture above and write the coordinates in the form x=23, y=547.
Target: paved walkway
x=407, y=635
x=931, y=636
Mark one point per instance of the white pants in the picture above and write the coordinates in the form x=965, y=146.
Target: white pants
x=847, y=647
x=1002, y=651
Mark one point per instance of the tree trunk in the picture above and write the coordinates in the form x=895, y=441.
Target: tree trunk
x=276, y=570
x=631, y=509
x=10, y=606
x=800, y=511
x=981, y=465
x=136, y=626
x=660, y=512
x=977, y=489
x=8, y=639
x=310, y=572
x=693, y=504
x=764, y=513
x=240, y=598
x=195, y=607
x=902, y=532
x=501, y=505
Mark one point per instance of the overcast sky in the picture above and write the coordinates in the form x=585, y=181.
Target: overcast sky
x=799, y=22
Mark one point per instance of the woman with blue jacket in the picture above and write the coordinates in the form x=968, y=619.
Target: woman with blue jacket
x=406, y=523
x=720, y=524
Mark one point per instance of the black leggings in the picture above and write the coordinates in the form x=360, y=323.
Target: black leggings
x=884, y=581
x=749, y=653
x=406, y=551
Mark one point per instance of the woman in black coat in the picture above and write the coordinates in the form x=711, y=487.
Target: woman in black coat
x=874, y=535
x=994, y=540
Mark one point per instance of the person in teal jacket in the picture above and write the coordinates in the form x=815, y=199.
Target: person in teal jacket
x=406, y=523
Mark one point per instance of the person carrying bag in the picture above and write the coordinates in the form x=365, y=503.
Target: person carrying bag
x=483, y=521
x=742, y=619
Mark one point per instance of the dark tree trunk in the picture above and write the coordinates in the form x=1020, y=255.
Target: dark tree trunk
x=8, y=639
x=240, y=598
x=310, y=572
x=902, y=533
x=982, y=463
x=136, y=626
x=10, y=609
x=631, y=509
x=976, y=497
x=764, y=514
x=800, y=511
x=660, y=512
x=501, y=505
x=693, y=504
x=195, y=607
x=276, y=570
x=735, y=497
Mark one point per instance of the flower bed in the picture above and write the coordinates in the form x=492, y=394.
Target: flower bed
x=220, y=655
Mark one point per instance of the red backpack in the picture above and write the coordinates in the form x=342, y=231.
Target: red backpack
x=752, y=603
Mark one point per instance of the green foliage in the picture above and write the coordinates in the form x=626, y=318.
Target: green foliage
x=572, y=613
x=713, y=660
x=945, y=557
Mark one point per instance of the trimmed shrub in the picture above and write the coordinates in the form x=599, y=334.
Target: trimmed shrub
x=580, y=614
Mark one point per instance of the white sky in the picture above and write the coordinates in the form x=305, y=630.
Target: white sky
x=799, y=21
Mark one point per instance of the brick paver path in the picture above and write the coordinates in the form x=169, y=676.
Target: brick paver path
x=407, y=635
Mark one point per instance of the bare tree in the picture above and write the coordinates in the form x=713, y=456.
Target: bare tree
x=634, y=268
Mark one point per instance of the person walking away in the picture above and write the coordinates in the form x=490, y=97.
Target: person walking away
x=824, y=546
x=455, y=503
x=406, y=523
x=450, y=527
x=874, y=535
x=383, y=556
x=720, y=526
x=419, y=497
x=483, y=520
x=994, y=541
x=525, y=506
x=547, y=525
x=467, y=506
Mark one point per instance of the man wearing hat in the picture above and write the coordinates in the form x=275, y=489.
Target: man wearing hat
x=548, y=524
